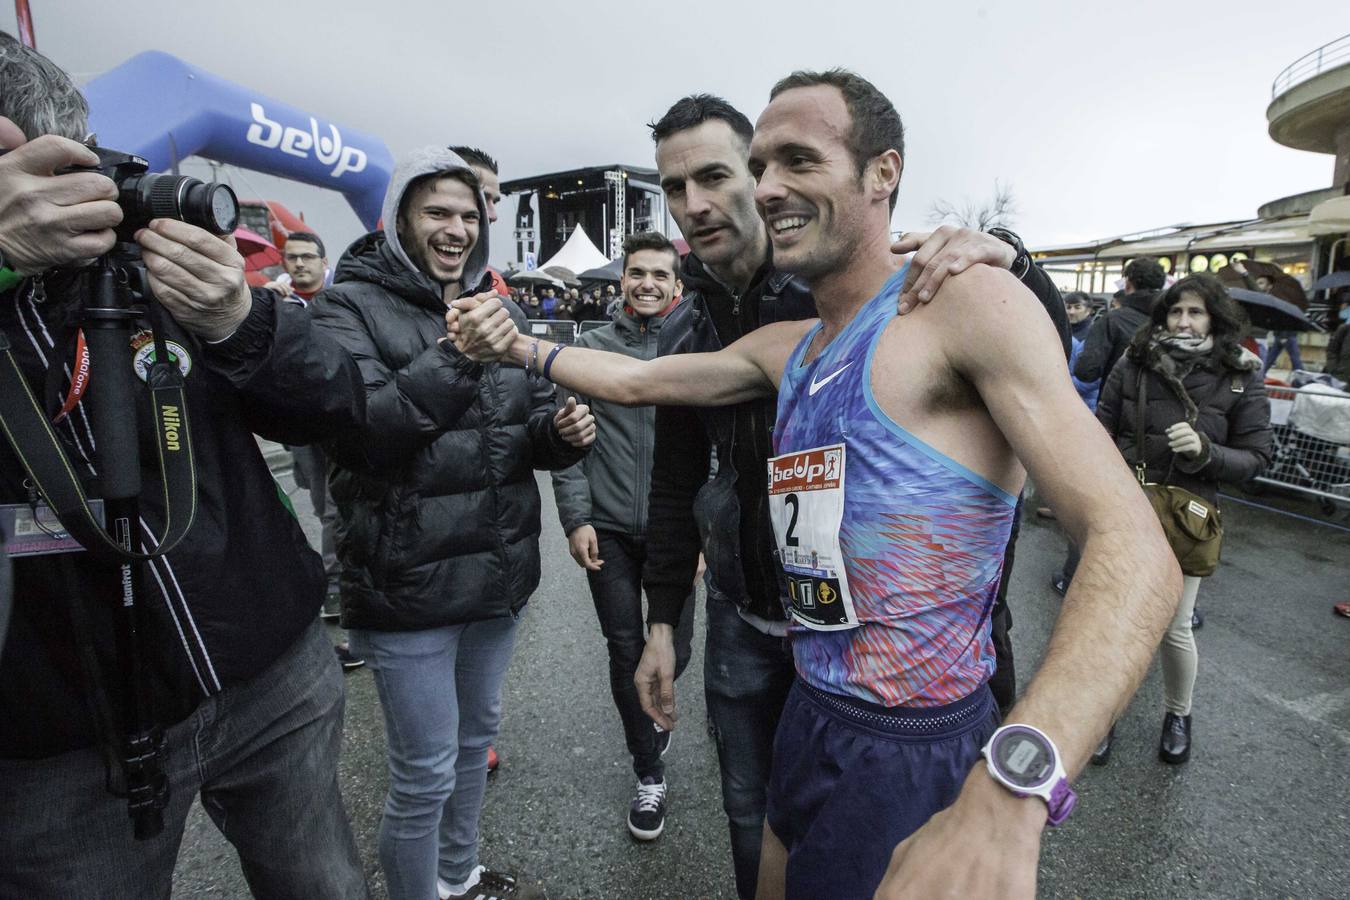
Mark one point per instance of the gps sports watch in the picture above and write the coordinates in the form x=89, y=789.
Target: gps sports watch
x=1024, y=760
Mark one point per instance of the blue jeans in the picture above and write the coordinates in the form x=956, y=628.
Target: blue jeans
x=262, y=754
x=746, y=679
x=441, y=690
x=617, y=592
x=1284, y=340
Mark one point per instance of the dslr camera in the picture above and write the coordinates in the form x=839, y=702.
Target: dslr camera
x=144, y=196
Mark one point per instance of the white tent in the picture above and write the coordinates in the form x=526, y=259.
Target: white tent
x=578, y=254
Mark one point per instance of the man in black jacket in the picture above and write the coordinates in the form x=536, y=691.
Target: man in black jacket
x=238, y=670
x=438, y=512
x=1110, y=334
x=731, y=288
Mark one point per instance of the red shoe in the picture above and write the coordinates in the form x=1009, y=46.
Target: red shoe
x=1342, y=609
x=492, y=758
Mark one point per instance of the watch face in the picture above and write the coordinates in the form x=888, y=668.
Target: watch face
x=1024, y=759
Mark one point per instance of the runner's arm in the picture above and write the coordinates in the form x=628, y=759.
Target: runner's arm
x=1128, y=582
x=747, y=369
x=1122, y=597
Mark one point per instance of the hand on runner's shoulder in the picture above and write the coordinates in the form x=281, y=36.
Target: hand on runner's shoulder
x=480, y=327
x=948, y=250
x=49, y=220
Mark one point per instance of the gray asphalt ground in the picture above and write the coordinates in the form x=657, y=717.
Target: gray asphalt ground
x=1261, y=810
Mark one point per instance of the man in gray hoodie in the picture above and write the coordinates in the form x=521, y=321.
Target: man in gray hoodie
x=602, y=504
x=438, y=513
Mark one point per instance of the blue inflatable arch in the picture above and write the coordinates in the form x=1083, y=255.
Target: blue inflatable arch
x=157, y=106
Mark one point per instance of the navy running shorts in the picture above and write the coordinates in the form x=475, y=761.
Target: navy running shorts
x=853, y=779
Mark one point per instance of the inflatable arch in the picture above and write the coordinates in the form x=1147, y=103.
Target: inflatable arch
x=157, y=106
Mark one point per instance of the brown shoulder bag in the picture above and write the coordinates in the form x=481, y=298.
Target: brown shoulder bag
x=1191, y=523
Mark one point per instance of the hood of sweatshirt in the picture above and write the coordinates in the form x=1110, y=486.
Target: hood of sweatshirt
x=431, y=161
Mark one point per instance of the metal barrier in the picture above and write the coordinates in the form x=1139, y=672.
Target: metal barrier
x=592, y=324
x=1310, y=65
x=560, y=331
x=1312, y=442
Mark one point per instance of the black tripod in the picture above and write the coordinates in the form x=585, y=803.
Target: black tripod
x=109, y=318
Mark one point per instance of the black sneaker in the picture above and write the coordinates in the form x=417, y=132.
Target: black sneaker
x=348, y=659
x=491, y=886
x=647, y=812
x=662, y=739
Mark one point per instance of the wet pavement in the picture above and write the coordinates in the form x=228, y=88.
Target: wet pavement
x=1261, y=810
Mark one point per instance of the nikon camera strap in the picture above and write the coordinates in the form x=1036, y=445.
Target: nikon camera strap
x=45, y=460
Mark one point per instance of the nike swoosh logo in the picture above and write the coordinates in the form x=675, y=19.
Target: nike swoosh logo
x=817, y=385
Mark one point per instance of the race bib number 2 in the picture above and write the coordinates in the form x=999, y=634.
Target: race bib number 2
x=806, y=504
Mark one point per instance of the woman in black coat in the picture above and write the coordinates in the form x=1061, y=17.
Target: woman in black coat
x=1206, y=420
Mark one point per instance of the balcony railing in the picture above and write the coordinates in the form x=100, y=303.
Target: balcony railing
x=1310, y=65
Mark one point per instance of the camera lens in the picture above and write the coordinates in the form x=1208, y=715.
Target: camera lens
x=210, y=206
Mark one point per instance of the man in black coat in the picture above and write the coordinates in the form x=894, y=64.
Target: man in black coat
x=238, y=672
x=1110, y=334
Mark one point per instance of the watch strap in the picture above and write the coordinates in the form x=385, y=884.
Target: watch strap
x=1061, y=802
x=1021, y=263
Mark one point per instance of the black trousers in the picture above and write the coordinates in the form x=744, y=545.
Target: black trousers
x=617, y=592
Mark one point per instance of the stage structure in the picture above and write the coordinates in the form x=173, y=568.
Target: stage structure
x=607, y=202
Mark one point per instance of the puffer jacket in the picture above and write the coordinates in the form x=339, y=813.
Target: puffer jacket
x=1225, y=402
x=438, y=511
x=608, y=489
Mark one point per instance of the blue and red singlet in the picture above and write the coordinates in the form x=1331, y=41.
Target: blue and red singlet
x=893, y=551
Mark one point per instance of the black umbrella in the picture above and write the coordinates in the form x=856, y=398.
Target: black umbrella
x=608, y=272
x=1331, y=281
x=1265, y=311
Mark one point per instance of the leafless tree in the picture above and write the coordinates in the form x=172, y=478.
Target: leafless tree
x=998, y=210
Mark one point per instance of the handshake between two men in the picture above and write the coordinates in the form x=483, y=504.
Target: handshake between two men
x=481, y=327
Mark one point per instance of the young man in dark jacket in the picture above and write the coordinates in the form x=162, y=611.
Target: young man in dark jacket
x=731, y=288
x=1110, y=334
x=238, y=671
x=602, y=504
x=438, y=512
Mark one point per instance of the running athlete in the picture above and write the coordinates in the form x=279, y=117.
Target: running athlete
x=900, y=447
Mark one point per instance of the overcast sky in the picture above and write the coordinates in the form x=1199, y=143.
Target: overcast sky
x=1103, y=119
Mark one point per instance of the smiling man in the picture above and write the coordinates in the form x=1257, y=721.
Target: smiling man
x=602, y=504
x=900, y=446
x=438, y=513
x=733, y=287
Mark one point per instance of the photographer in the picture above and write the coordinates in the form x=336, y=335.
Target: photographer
x=239, y=672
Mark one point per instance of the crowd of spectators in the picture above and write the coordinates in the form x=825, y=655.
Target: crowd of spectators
x=569, y=304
